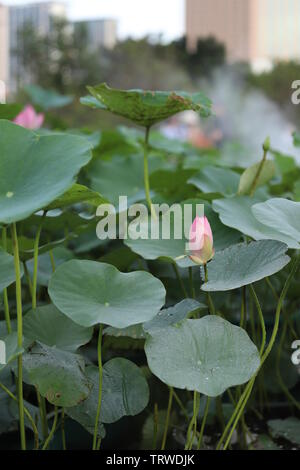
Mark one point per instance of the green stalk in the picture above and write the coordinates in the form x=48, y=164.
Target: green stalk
x=146, y=173
x=285, y=390
x=179, y=279
x=99, y=349
x=193, y=422
x=181, y=406
x=266, y=148
x=155, y=426
x=191, y=282
x=63, y=434
x=163, y=445
x=34, y=428
x=209, y=299
x=261, y=318
x=51, y=434
x=203, y=423
x=19, y=333
x=35, y=265
x=5, y=296
x=41, y=400
x=28, y=280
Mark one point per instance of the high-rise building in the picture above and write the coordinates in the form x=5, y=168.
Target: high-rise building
x=4, y=44
x=257, y=31
x=40, y=16
x=100, y=32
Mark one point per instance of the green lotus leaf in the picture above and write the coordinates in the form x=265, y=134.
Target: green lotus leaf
x=288, y=429
x=7, y=270
x=267, y=172
x=216, y=180
x=280, y=214
x=243, y=264
x=125, y=392
x=207, y=355
x=49, y=326
x=172, y=315
x=236, y=213
x=47, y=99
x=78, y=194
x=36, y=170
x=12, y=350
x=146, y=107
x=90, y=293
x=58, y=375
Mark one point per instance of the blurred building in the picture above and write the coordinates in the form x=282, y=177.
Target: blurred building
x=100, y=33
x=4, y=44
x=40, y=16
x=256, y=31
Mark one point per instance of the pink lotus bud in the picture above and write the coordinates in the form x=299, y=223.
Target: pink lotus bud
x=201, y=241
x=29, y=118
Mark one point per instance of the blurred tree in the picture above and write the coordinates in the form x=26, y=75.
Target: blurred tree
x=63, y=60
x=208, y=55
x=140, y=64
x=276, y=84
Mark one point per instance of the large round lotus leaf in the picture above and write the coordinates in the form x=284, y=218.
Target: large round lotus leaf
x=146, y=107
x=208, y=355
x=58, y=375
x=280, y=214
x=236, y=212
x=49, y=326
x=125, y=392
x=89, y=293
x=174, y=249
x=244, y=263
x=216, y=180
x=7, y=270
x=35, y=170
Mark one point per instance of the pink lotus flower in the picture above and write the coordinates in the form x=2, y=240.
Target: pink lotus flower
x=29, y=118
x=201, y=241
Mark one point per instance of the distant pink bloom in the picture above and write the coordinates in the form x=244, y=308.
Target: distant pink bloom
x=29, y=118
x=201, y=241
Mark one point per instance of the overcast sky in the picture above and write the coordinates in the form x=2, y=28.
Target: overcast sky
x=135, y=17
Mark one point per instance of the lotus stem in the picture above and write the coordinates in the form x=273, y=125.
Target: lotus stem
x=27, y=414
x=5, y=296
x=19, y=334
x=51, y=434
x=163, y=445
x=146, y=173
x=100, y=367
x=203, y=423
